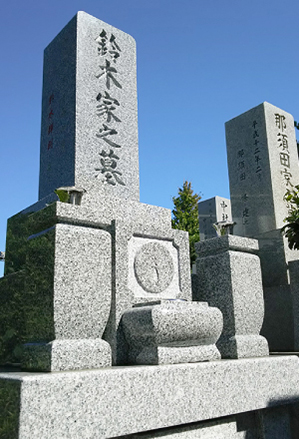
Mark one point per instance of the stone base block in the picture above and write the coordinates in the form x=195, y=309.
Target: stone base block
x=273, y=423
x=172, y=332
x=174, y=355
x=66, y=355
x=278, y=325
x=118, y=401
x=243, y=346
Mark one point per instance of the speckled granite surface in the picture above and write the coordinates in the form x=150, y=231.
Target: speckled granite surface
x=229, y=277
x=89, y=131
x=123, y=400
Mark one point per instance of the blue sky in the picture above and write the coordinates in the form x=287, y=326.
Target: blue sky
x=199, y=64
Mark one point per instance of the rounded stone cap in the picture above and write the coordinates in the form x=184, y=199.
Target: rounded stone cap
x=173, y=323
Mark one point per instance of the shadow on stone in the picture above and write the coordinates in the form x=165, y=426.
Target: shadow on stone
x=9, y=409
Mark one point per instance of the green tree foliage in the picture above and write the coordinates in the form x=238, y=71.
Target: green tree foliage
x=291, y=229
x=185, y=215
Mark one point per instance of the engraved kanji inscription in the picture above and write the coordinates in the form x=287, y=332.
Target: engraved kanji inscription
x=109, y=73
x=107, y=106
x=109, y=163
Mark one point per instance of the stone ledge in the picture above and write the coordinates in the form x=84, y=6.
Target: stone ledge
x=123, y=400
x=225, y=243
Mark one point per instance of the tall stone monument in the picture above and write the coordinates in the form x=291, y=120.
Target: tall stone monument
x=89, y=134
x=97, y=279
x=74, y=268
x=263, y=164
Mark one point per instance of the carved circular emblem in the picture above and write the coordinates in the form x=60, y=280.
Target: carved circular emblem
x=153, y=267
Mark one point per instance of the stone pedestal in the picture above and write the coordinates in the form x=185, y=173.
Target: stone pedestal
x=229, y=277
x=263, y=163
x=72, y=271
x=65, y=293
x=294, y=286
x=172, y=332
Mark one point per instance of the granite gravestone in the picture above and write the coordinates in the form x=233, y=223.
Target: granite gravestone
x=69, y=268
x=211, y=211
x=89, y=110
x=81, y=264
x=263, y=163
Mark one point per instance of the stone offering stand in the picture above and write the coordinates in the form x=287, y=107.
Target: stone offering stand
x=99, y=335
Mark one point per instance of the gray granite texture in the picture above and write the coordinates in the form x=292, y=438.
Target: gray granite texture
x=230, y=427
x=66, y=354
x=129, y=242
x=280, y=308
x=225, y=243
x=63, y=288
x=229, y=277
x=130, y=228
x=175, y=355
x=82, y=281
x=210, y=212
x=263, y=164
x=153, y=266
x=279, y=320
x=294, y=287
x=172, y=332
x=89, y=140
x=89, y=110
x=113, y=402
x=274, y=423
x=273, y=255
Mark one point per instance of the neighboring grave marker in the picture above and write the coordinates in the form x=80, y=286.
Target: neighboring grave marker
x=263, y=164
x=211, y=211
x=89, y=110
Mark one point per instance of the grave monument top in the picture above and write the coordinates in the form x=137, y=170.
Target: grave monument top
x=89, y=133
x=263, y=163
x=211, y=211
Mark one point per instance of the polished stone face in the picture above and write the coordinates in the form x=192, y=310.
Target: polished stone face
x=83, y=404
x=211, y=211
x=57, y=286
x=83, y=265
x=26, y=291
x=230, y=279
x=172, y=332
x=59, y=267
x=111, y=278
x=89, y=132
x=263, y=164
